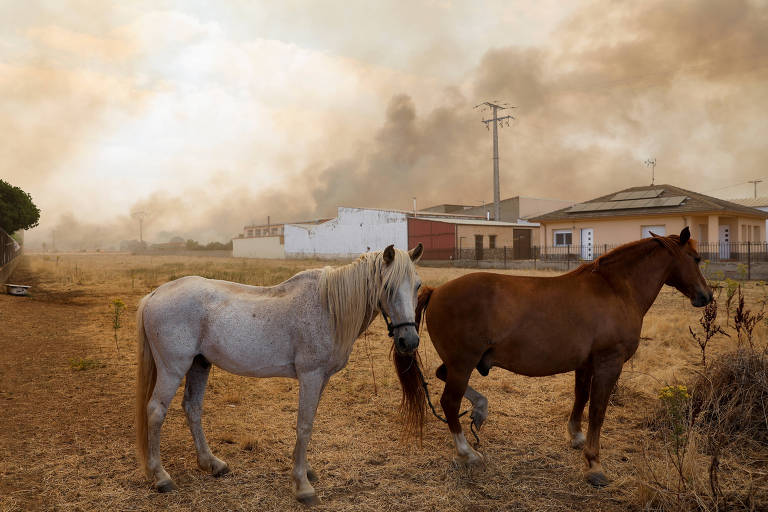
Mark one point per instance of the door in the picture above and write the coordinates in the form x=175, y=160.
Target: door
x=725, y=242
x=587, y=243
x=478, y=247
x=521, y=238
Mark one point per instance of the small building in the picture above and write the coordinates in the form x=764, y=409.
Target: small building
x=352, y=232
x=586, y=229
x=445, y=236
x=512, y=209
x=446, y=239
x=262, y=241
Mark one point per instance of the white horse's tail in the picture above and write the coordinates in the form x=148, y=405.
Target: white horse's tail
x=146, y=375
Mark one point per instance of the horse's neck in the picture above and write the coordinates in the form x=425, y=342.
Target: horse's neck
x=370, y=314
x=645, y=278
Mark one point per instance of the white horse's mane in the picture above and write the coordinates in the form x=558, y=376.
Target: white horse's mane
x=351, y=293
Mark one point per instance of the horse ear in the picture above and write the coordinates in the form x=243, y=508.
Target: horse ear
x=654, y=235
x=685, y=235
x=389, y=254
x=416, y=253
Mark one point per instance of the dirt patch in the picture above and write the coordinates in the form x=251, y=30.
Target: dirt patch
x=67, y=433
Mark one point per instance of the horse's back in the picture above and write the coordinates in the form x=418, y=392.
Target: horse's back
x=248, y=330
x=533, y=325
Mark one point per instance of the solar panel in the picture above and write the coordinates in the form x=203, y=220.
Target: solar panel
x=627, y=204
x=638, y=194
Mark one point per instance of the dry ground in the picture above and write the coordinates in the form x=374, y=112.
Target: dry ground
x=66, y=435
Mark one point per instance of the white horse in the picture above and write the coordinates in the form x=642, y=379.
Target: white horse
x=302, y=328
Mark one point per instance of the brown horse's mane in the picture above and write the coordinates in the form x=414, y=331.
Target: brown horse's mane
x=629, y=251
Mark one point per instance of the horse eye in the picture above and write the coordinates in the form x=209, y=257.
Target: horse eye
x=697, y=259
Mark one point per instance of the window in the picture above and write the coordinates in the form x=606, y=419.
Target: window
x=491, y=241
x=645, y=231
x=562, y=237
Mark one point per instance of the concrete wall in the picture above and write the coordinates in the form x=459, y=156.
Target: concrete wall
x=260, y=247
x=352, y=232
x=504, y=235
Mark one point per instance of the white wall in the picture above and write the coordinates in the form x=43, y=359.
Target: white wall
x=352, y=232
x=260, y=247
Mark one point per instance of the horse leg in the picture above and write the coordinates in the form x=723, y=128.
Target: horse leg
x=603, y=380
x=581, y=396
x=165, y=388
x=455, y=386
x=310, y=388
x=194, y=390
x=478, y=400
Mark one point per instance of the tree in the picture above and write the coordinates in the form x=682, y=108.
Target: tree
x=17, y=211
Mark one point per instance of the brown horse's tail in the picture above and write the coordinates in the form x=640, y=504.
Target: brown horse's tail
x=413, y=405
x=146, y=375
x=421, y=303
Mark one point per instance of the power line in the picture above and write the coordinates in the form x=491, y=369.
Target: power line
x=734, y=185
x=140, y=215
x=495, y=108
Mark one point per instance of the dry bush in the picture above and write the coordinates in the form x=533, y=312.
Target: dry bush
x=710, y=328
x=724, y=418
x=731, y=396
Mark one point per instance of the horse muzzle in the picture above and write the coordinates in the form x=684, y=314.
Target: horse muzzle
x=407, y=342
x=701, y=299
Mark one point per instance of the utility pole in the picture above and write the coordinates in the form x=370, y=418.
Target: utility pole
x=651, y=162
x=495, y=108
x=755, y=182
x=140, y=215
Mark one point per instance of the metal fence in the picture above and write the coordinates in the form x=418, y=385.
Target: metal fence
x=10, y=248
x=743, y=252
x=559, y=253
x=569, y=256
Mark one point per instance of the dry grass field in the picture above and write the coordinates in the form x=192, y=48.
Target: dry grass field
x=67, y=402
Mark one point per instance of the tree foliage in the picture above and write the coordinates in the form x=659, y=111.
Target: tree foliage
x=17, y=211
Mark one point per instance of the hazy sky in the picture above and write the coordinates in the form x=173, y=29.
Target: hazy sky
x=210, y=115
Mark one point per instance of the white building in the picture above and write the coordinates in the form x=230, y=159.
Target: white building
x=352, y=232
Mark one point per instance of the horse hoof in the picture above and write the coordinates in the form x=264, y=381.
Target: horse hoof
x=221, y=471
x=578, y=441
x=311, y=476
x=165, y=486
x=598, y=479
x=474, y=459
x=308, y=499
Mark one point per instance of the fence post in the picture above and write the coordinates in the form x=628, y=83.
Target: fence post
x=749, y=261
x=505, y=257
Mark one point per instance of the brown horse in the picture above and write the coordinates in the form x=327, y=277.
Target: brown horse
x=588, y=320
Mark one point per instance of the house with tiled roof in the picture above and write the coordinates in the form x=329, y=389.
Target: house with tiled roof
x=636, y=212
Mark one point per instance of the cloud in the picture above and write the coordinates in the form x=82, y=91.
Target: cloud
x=211, y=127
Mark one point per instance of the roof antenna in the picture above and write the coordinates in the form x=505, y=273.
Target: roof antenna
x=651, y=162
